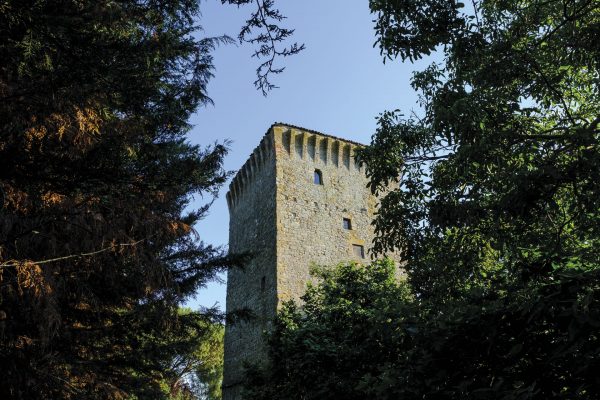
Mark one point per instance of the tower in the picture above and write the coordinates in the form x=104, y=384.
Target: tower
x=301, y=198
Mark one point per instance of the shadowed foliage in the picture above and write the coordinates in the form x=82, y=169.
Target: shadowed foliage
x=97, y=247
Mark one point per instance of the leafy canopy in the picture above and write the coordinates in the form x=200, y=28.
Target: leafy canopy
x=497, y=207
x=331, y=346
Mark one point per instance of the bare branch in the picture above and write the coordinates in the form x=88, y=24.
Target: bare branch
x=266, y=20
x=15, y=263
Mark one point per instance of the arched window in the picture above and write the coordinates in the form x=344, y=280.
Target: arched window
x=318, y=177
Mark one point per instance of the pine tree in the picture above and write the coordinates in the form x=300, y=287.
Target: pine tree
x=97, y=248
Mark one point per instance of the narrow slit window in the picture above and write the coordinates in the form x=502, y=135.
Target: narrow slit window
x=347, y=224
x=318, y=177
x=359, y=251
x=263, y=283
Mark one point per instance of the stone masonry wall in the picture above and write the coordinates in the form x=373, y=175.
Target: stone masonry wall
x=310, y=228
x=251, y=202
x=289, y=222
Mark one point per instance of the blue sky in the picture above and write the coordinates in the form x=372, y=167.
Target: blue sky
x=338, y=85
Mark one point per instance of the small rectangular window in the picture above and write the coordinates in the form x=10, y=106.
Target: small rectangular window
x=347, y=224
x=359, y=251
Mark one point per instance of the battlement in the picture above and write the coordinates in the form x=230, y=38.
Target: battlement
x=296, y=143
x=246, y=174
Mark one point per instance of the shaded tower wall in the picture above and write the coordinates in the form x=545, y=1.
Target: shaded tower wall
x=290, y=222
x=251, y=201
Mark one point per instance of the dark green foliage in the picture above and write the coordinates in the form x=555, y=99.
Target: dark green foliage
x=496, y=213
x=97, y=249
x=507, y=149
x=497, y=210
x=334, y=346
x=360, y=334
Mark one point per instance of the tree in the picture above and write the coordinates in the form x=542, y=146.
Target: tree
x=196, y=370
x=496, y=213
x=209, y=371
x=361, y=334
x=497, y=210
x=339, y=341
x=97, y=248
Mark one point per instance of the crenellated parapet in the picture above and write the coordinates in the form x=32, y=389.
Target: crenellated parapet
x=299, y=143
x=261, y=155
x=295, y=143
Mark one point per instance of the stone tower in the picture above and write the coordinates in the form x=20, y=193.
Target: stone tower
x=301, y=198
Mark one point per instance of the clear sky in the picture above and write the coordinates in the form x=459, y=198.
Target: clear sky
x=338, y=85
